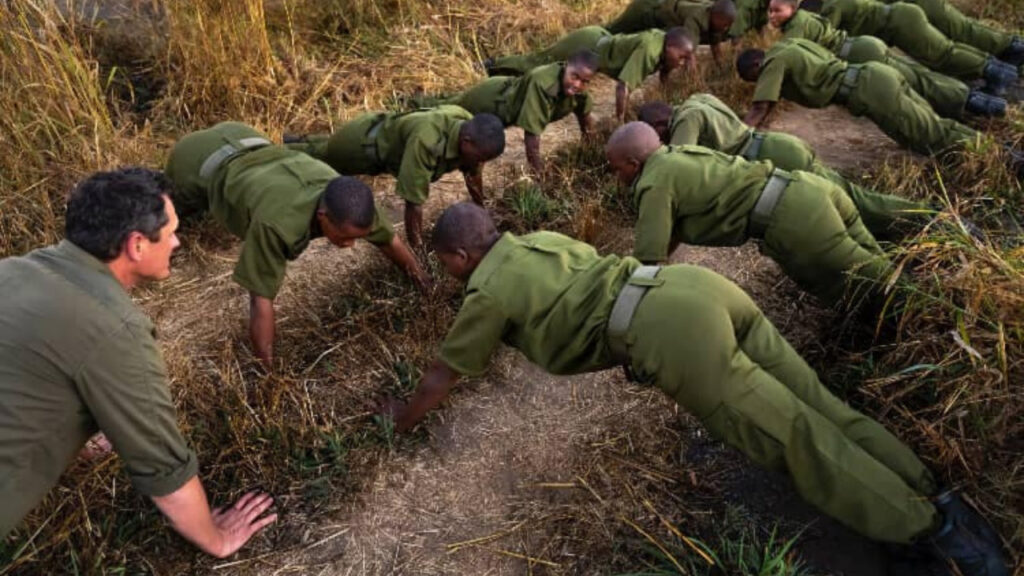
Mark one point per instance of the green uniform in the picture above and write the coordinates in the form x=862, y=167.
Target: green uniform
x=417, y=147
x=704, y=120
x=267, y=196
x=810, y=75
x=629, y=58
x=750, y=15
x=906, y=27
x=702, y=197
x=77, y=357
x=531, y=101
x=691, y=15
x=703, y=341
x=945, y=17
x=947, y=96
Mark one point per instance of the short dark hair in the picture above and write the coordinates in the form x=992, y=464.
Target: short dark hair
x=724, y=7
x=811, y=5
x=677, y=37
x=464, y=226
x=585, y=59
x=348, y=200
x=487, y=132
x=748, y=62
x=105, y=208
x=654, y=112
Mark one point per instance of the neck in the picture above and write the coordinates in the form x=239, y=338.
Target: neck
x=121, y=271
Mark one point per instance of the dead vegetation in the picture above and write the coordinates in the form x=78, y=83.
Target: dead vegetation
x=78, y=98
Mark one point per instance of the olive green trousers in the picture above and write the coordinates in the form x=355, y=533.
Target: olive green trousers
x=705, y=343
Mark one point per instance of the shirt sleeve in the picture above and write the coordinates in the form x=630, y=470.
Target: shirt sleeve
x=536, y=111
x=261, y=265
x=642, y=63
x=381, y=232
x=653, y=231
x=124, y=386
x=769, y=84
x=687, y=130
x=417, y=169
x=475, y=335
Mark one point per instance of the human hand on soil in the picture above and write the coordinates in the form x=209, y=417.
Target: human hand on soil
x=237, y=524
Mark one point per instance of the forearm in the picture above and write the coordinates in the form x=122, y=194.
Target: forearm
x=413, y=223
x=261, y=328
x=475, y=184
x=188, y=511
x=402, y=256
x=433, y=389
x=758, y=115
x=621, y=98
x=532, y=143
x=716, y=53
x=586, y=122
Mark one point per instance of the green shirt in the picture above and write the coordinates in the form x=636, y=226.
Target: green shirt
x=858, y=17
x=706, y=121
x=694, y=195
x=692, y=15
x=815, y=28
x=76, y=357
x=630, y=58
x=750, y=15
x=531, y=101
x=420, y=147
x=545, y=294
x=265, y=196
x=801, y=71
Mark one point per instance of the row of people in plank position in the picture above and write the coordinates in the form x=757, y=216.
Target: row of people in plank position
x=696, y=172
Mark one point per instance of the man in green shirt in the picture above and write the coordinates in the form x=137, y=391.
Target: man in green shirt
x=705, y=198
x=701, y=340
x=628, y=58
x=417, y=148
x=78, y=357
x=704, y=120
x=810, y=75
x=534, y=100
x=704, y=21
x=949, y=97
x=944, y=16
x=906, y=27
x=276, y=200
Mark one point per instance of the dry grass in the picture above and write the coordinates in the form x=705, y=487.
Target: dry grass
x=80, y=98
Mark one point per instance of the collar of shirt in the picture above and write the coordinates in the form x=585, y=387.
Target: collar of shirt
x=550, y=79
x=102, y=283
x=636, y=180
x=493, y=260
x=451, y=148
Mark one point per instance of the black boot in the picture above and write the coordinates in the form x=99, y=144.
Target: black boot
x=297, y=138
x=1014, y=53
x=982, y=104
x=967, y=539
x=999, y=76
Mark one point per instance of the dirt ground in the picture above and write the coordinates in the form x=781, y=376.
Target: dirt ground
x=472, y=499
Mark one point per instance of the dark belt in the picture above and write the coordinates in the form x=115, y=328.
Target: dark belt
x=227, y=151
x=761, y=215
x=370, y=142
x=624, y=308
x=753, y=150
x=850, y=78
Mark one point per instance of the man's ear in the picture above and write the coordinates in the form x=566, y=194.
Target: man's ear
x=133, y=246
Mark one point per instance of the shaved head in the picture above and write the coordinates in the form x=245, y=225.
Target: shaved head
x=725, y=8
x=464, y=226
x=634, y=141
x=676, y=37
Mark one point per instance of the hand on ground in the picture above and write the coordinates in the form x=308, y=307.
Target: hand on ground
x=238, y=523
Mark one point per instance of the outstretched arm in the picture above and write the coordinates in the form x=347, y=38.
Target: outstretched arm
x=532, y=143
x=586, y=122
x=402, y=256
x=261, y=328
x=716, y=53
x=414, y=223
x=622, y=98
x=435, y=386
x=757, y=117
x=220, y=532
x=475, y=183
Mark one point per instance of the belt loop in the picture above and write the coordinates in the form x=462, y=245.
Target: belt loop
x=624, y=308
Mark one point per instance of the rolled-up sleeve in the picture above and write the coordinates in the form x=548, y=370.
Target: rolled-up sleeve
x=124, y=386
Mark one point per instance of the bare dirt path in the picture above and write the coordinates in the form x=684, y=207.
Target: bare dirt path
x=495, y=452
